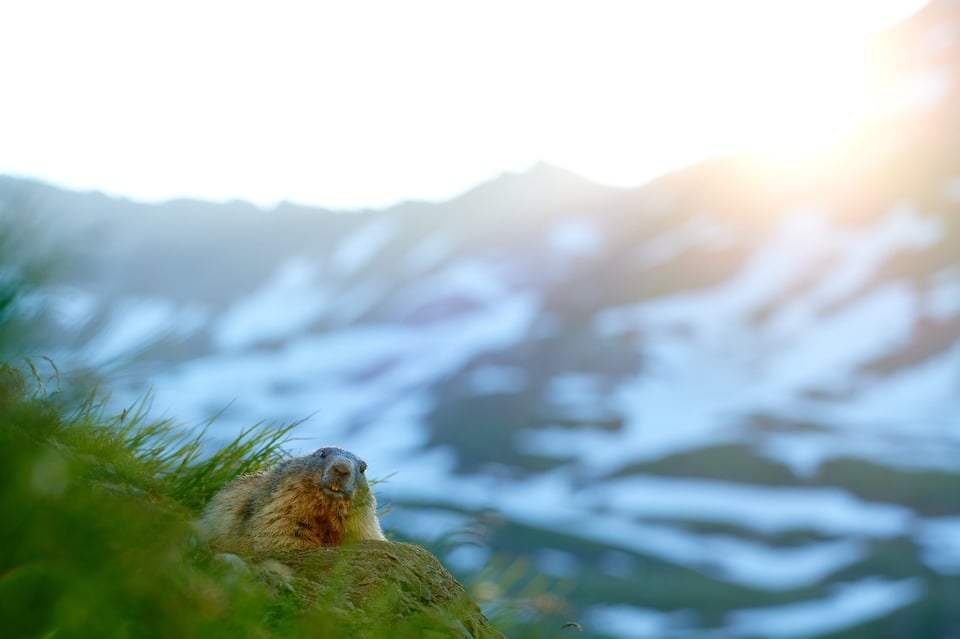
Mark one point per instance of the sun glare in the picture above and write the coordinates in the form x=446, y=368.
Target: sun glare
x=783, y=79
x=810, y=90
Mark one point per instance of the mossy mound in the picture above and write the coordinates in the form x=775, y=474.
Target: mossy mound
x=373, y=589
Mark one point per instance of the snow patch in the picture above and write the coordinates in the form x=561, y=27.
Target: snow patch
x=631, y=622
x=804, y=453
x=356, y=300
x=771, y=510
x=429, y=252
x=284, y=306
x=828, y=353
x=70, y=307
x=851, y=604
x=136, y=324
x=940, y=539
x=920, y=402
x=358, y=248
x=425, y=524
x=469, y=278
x=700, y=231
x=575, y=237
x=943, y=301
x=577, y=396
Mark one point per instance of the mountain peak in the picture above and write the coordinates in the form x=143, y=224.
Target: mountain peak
x=540, y=185
x=541, y=172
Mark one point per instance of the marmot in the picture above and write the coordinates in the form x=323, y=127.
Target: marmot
x=321, y=499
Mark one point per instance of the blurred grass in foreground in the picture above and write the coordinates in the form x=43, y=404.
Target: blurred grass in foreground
x=96, y=522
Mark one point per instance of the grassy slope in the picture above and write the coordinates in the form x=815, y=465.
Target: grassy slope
x=96, y=529
x=98, y=539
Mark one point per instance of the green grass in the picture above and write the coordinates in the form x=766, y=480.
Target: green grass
x=96, y=525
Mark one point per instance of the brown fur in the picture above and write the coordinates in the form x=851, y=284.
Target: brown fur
x=322, y=499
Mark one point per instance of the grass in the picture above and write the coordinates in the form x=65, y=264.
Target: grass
x=97, y=531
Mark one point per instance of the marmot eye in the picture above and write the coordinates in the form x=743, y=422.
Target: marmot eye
x=363, y=466
x=324, y=453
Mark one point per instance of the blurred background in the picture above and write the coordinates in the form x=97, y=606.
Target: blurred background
x=701, y=381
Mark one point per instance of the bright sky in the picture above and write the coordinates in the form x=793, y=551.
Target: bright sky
x=364, y=103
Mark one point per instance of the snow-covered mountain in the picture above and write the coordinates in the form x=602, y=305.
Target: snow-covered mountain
x=726, y=404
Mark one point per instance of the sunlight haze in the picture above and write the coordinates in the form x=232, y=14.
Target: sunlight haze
x=364, y=103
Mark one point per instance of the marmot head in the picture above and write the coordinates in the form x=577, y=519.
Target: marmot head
x=321, y=499
x=338, y=473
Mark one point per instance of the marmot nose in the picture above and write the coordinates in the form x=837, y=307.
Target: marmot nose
x=341, y=469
